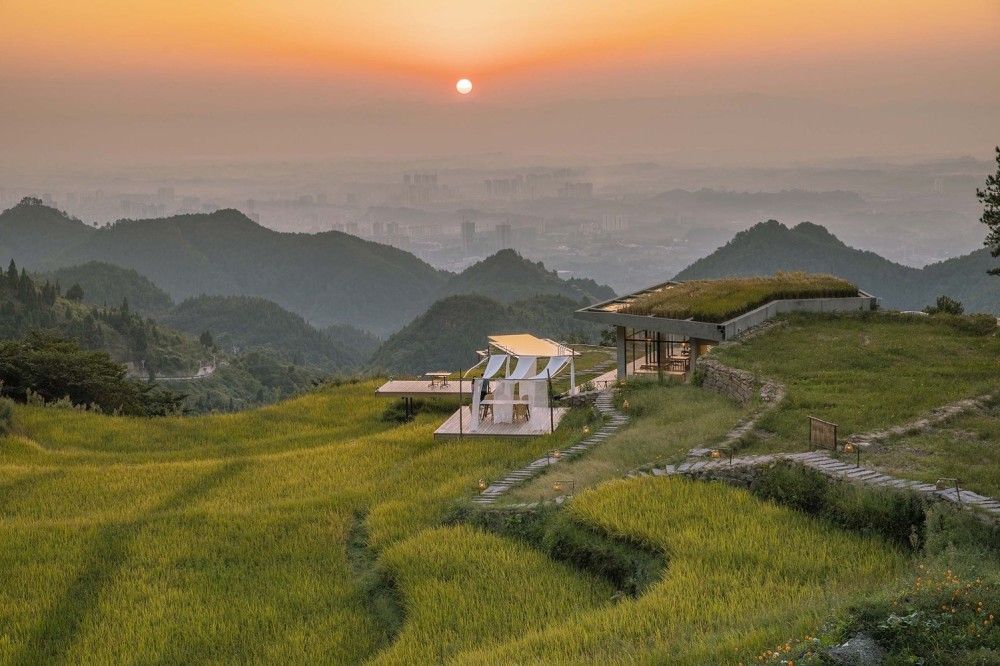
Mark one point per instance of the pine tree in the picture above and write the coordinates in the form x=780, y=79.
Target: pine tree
x=12, y=275
x=990, y=198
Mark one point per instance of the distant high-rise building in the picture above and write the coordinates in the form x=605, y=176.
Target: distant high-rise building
x=505, y=240
x=468, y=238
x=614, y=222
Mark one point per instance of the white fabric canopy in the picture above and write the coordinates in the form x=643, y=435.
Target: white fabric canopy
x=525, y=365
x=494, y=365
x=556, y=364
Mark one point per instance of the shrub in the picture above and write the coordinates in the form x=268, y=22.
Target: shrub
x=896, y=515
x=6, y=416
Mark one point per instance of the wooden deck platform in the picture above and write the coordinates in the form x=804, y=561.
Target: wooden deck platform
x=421, y=388
x=534, y=428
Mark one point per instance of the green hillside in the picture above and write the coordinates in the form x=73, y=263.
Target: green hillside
x=508, y=277
x=31, y=232
x=257, y=324
x=447, y=336
x=150, y=348
x=319, y=531
x=105, y=284
x=328, y=278
x=234, y=321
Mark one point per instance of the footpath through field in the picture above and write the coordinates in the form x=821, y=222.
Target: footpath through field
x=613, y=419
x=822, y=462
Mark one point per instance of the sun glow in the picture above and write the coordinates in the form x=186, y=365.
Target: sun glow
x=464, y=86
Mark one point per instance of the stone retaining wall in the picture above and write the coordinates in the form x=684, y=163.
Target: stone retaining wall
x=738, y=385
x=578, y=400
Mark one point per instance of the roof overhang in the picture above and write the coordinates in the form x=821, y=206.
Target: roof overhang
x=525, y=344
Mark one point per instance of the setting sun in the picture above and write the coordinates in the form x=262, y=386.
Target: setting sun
x=464, y=86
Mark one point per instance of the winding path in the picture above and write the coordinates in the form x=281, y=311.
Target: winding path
x=614, y=419
x=822, y=462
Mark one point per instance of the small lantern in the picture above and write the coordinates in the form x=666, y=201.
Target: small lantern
x=556, y=454
x=625, y=404
x=557, y=486
x=586, y=430
x=850, y=448
x=715, y=454
x=482, y=485
x=943, y=484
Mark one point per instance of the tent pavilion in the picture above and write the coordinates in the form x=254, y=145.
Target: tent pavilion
x=511, y=398
x=518, y=392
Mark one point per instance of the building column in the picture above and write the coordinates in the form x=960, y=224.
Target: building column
x=620, y=344
x=692, y=357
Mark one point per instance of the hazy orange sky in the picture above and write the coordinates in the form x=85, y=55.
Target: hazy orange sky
x=179, y=56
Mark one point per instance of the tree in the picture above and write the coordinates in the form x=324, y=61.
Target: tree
x=206, y=339
x=990, y=198
x=12, y=275
x=75, y=293
x=945, y=305
x=53, y=367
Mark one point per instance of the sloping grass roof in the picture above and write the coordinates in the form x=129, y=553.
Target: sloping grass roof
x=717, y=301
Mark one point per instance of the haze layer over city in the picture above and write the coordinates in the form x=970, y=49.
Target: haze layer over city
x=619, y=144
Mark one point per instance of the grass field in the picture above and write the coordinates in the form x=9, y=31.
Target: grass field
x=742, y=576
x=965, y=447
x=865, y=372
x=266, y=536
x=217, y=538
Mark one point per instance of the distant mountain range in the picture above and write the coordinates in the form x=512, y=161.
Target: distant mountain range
x=329, y=278
x=769, y=247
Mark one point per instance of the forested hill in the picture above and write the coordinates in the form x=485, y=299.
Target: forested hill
x=328, y=278
x=107, y=284
x=769, y=247
x=507, y=276
x=249, y=323
x=31, y=232
x=447, y=336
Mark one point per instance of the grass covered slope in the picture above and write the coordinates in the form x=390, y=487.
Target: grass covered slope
x=221, y=538
x=867, y=371
x=720, y=300
x=741, y=573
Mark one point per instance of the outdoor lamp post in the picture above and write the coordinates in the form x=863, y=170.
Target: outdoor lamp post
x=850, y=448
x=558, y=486
x=943, y=484
x=716, y=454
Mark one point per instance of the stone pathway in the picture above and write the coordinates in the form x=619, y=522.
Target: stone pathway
x=822, y=462
x=613, y=419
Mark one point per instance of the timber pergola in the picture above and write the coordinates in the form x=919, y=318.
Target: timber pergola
x=648, y=344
